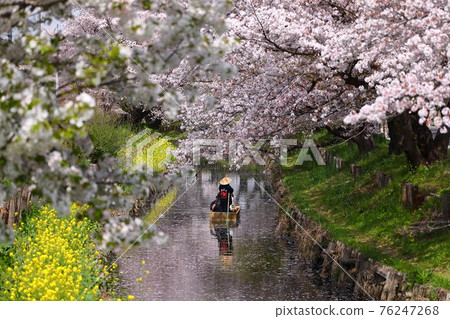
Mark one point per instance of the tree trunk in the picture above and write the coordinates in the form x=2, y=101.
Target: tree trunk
x=395, y=135
x=409, y=142
x=365, y=143
x=439, y=149
x=416, y=140
x=424, y=136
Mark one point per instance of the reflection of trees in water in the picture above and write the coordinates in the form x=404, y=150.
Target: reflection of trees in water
x=208, y=187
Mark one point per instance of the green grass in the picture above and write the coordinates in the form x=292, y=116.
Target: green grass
x=108, y=134
x=372, y=220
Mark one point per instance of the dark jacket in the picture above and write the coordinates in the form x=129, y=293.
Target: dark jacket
x=225, y=196
x=215, y=205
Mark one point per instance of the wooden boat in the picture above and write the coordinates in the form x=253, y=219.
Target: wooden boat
x=223, y=223
x=223, y=216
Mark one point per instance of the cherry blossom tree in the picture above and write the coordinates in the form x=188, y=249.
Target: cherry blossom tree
x=283, y=87
x=344, y=65
x=127, y=47
x=403, y=47
x=300, y=65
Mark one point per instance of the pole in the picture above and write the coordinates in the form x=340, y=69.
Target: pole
x=228, y=206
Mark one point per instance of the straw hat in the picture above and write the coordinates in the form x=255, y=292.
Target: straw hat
x=225, y=181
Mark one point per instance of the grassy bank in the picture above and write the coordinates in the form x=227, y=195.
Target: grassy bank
x=161, y=206
x=110, y=135
x=372, y=220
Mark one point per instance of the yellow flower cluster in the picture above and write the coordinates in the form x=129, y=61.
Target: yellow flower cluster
x=55, y=260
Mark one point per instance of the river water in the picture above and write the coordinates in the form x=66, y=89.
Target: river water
x=203, y=261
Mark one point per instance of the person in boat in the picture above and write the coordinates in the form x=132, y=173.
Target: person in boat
x=225, y=195
x=215, y=205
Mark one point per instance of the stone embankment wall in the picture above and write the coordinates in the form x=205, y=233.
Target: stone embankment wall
x=372, y=278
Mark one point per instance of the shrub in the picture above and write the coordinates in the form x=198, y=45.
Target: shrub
x=108, y=134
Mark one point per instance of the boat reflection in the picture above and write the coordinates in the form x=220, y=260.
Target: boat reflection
x=224, y=236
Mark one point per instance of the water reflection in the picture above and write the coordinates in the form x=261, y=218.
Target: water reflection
x=225, y=239
x=223, y=232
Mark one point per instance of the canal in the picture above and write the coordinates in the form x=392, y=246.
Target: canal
x=203, y=261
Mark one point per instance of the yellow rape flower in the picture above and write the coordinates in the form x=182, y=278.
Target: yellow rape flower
x=54, y=264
